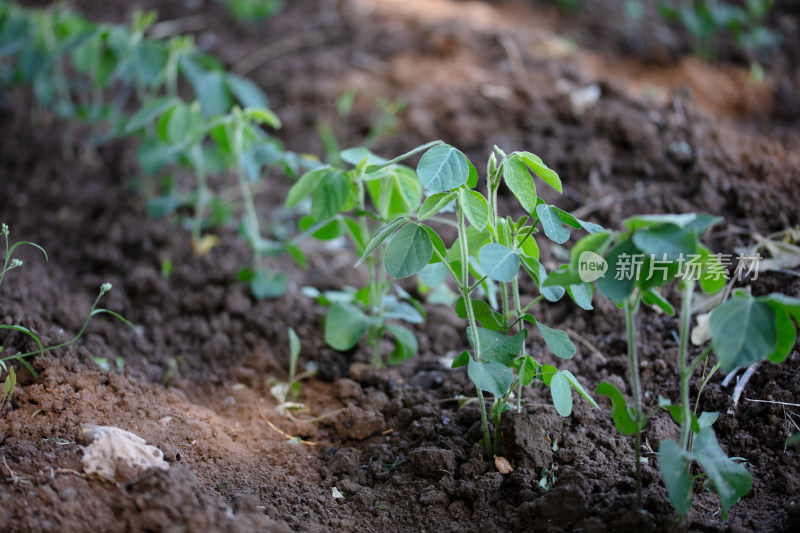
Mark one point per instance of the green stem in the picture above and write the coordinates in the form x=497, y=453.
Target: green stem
x=463, y=285
x=63, y=344
x=518, y=313
x=684, y=372
x=631, y=307
x=202, y=194
x=252, y=225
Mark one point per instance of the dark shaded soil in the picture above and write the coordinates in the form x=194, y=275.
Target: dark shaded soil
x=401, y=452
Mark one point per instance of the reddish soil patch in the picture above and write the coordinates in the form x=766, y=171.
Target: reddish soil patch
x=401, y=452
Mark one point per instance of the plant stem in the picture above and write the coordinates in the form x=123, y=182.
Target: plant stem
x=631, y=307
x=252, y=226
x=202, y=193
x=685, y=373
x=463, y=285
x=518, y=314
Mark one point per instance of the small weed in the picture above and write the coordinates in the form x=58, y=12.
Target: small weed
x=11, y=379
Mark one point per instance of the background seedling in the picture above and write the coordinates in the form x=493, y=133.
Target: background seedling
x=488, y=253
x=352, y=203
x=286, y=393
x=183, y=144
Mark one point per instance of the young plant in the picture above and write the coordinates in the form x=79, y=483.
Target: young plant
x=286, y=393
x=706, y=19
x=652, y=252
x=8, y=265
x=355, y=204
x=253, y=11
x=486, y=258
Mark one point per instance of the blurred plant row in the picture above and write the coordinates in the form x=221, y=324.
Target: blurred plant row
x=707, y=23
x=202, y=142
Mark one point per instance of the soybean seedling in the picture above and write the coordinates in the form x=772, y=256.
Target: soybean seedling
x=356, y=204
x=654, y=251
x=486, y=258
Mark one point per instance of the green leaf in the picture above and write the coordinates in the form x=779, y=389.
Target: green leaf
x=268, y=284
x=669, y=242
x=357, y=154
x=395, y=192
x=435, y=203
x=622, y=275
x=490, y=376
x=543, y=171
x=484, y=314
x=9, y=385
x=330, y=195
x=402, y=311
x=527, y=369
x=294, y=344
x=148, y=113
x=743, y=332
x=575, y=222
x=262, y=115
x=498, y=262
x=551, y=223
x=561, y=394
x=381, y=235
x=595, y=242
x=149, y=61
x=213, y=94
x=619, y=409
x=786, y=335
x=581, y=294
x=179, y=123
x=406, y=345
x=345, y=325
x=442, y=168
x=476, y=208
x=730, y=480
x=475, y=239
x=472, y=181
x=548, y=371
x=558, y=341
x=250, y=95
x=520, y=182
x=653, y=297
x=374, y=168
x=529, y=247
x=578, y=387
x=29, y=333
x=673, y=462
x=438, y=245
x=712, y=273
x=462, y=360
x=499, y=347
x=324, y=231
x=638, y=222
x=791, y=305
x=433, y=274
x=408, y=252
x=551, y=292
x=706, y=420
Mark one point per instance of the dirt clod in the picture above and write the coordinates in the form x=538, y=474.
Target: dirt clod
x=524, y=442
x=432, y=462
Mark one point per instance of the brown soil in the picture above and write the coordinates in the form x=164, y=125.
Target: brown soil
x=401, y=452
